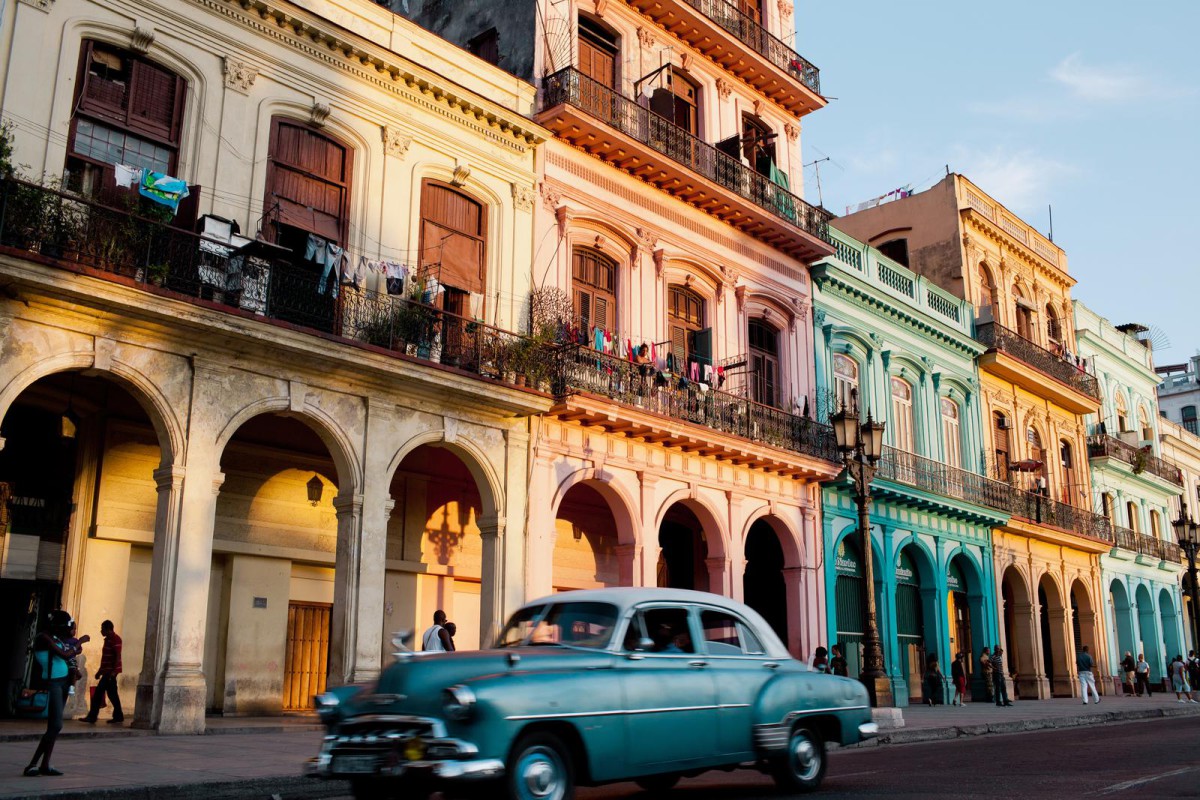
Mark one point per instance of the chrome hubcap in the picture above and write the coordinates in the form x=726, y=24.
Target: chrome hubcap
x=806, y=760
x=540, y=775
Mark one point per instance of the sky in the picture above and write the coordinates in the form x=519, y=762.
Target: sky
x=1091, y=108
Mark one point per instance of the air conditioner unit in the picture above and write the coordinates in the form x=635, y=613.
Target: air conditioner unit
x=1002, y=424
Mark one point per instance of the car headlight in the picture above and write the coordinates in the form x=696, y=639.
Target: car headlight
x=327, y=705
x=458, y=702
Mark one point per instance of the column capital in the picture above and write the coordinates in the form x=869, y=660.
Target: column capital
x=170, y=476
x=715, y=562
x=348, y=504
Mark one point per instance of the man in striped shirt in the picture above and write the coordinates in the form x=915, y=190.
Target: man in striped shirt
x=110, y=668
x=1001, y=689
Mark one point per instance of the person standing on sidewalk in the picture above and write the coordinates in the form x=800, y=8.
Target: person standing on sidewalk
x=985, y=664
x=1087, y=678
x=1129, y=667
x=999, y=690
x=1143, y=675
x=837, y=661
x=436, y=638
x=110, y=668
x=1193, y=672
x=51, y=655
x=958, y=676
x=1179, y=682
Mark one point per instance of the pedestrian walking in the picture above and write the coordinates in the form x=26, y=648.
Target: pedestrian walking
x=51, y=655
x=436, y=638
x=110, y=668
x=820, y=660
x=1193, y=668
x=999, y=690
x=1142, y=672
x=958, y=676
x=985, y=667
x=1129, y=667
x=1179, y=681
x=933, y=686
x=1087, y=677
x=837, y=662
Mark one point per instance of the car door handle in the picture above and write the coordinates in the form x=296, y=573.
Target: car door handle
x=771, y=665
x=697, y=663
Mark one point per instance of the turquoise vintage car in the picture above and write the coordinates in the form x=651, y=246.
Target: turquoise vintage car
x=592, y=687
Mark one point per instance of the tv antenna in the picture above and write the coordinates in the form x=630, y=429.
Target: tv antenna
x=816, y=165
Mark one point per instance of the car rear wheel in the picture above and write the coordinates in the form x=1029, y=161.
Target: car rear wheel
x=540, y=769
x=656, y=784
x=802, y=766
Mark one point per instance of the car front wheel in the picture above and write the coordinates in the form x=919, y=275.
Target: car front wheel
x=802, y=766
x=540, y=769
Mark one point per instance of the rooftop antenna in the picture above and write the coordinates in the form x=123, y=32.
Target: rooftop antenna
x=1051, y=208
x=816, y=165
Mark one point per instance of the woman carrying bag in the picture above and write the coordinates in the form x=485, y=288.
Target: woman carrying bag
x=52, y=656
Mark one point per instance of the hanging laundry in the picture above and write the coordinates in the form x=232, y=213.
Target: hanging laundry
x=629, y=349
x=127, y=176
x=354, y=272
x=329, y=279
x=598, y=339
x=708, y=373
x=694, y=371
x=163, y=189
x=316, y=250
x=394, y=274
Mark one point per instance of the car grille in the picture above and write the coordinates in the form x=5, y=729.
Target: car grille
x=770, y=737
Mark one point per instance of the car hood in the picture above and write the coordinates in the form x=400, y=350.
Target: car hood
x=414, y=684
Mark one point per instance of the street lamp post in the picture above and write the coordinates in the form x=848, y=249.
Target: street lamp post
x=861, y=445
x=1187, y=534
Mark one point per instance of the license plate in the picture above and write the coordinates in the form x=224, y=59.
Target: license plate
x=355, y=765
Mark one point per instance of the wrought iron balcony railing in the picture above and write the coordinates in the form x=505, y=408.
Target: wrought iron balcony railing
x=70, y=231
x=749, y=31
x=1150, y=546
x=938, y=478
x=1125, y=538
x=641, y=386
x=571, y=87
x=1045, y=510
x=1014, y=344
x=1142, y=459
x=1172, y=553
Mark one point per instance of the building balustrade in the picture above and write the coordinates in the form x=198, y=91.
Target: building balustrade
x=999, y=338
x=257, y=281
x=1044, y=510
x=571, y=87
x=1125, y=538
x=1142, y=459
x=1150, y=546
x=938, y=478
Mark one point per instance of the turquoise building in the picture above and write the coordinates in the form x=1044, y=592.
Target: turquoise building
x=1133, y=487
x=903, y=348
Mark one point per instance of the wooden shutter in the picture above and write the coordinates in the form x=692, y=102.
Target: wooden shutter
x=308, y=180
x=583, y=308
x=453, y=236
x=597, y=64
x=600, y=312
x=679, y=342
x=154, y=98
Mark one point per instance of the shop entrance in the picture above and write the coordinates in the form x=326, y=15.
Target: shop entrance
x=910, y=625
x=306, y=664
x=849, y=599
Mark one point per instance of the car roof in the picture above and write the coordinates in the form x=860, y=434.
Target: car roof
x=626, y=597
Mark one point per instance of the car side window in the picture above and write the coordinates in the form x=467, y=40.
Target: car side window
x=750, y=642
x=722, y=634
x=668, y=629
x=633, y=634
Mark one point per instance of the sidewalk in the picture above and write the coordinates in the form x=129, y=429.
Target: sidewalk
x=261, y=757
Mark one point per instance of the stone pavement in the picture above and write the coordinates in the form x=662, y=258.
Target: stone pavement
x=263, y=757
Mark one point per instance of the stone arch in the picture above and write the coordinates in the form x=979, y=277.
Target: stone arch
x=1085, y=618
x=486, y=475
x=619, y=500
x=707, y=280
x=876, y=552
x=1170, y=627
x=167, y=425
x=1123, y=619
x=791, y=543
x=1054, y=618
x=1148, y=634
x=967, y=615
x=1018, y=622
x=709, y=518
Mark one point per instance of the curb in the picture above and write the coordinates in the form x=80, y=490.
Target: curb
x=124, y=733
x=914, y=736
x=288, y=787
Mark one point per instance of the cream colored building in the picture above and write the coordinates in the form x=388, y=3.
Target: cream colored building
x=1181, y=448
x=252, y=471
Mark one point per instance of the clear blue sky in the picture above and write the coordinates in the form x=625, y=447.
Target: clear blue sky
x=1091, y=107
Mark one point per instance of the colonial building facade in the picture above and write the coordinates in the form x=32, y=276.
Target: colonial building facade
x=1133, y=487
x=1181, y=449
x=1036, y=394
x=899, y=348
x=264, y=429
x=671, y=253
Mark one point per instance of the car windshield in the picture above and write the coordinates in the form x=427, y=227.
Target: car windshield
x=587, y=625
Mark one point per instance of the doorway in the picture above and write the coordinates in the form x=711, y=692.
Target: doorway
x=306, y=665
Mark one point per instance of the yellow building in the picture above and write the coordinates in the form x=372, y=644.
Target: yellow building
x=1036, y=393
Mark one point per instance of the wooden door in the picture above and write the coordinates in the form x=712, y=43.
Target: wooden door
x=306, y=664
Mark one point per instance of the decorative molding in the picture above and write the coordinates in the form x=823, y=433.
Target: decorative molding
x=685, y=60
x=462, y=171
x=785, y=8
x=318, y=115
x=724, y=89
x=659, y=261
x=646, y=239
x=792, y=131
x=395, y=141
x=739, y=293
x=646, y=37
x=562, y=215
x=758, y=108
x=523, y=196
x=40, y=5
x=239, y=75
x=551, y=197
x=601, y=7
x=142, y=39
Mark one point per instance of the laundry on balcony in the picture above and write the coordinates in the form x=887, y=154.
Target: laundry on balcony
x=162, y=189
x=783, y=201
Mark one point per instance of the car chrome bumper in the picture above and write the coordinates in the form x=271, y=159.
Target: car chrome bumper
x=383, y=762
x=868, y=730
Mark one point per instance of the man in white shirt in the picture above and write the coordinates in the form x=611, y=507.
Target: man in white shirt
x=436, y=638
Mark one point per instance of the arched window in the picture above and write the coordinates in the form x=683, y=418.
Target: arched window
x=453, y=244
x=690, y=340
x=1066, y=458
x=1131, y=512
x=594, y=289
x=1155, y=524
x=1001, y=444
x=128, y=110
x=987, y=294
x=1107, y=505
x=1023, y=312
x=1122, y=412
x=678, y=102
x=597, y=52
x=764, y=362
x=845, y=383
x=758, y=144
x=1188, y=418
x=1054, y=334
x=902, y=415
x=951, y=435
x=1147, y=432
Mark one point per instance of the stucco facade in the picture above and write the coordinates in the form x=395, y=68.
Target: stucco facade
x=902, y=347
x=1181, y=449
x=252, y=492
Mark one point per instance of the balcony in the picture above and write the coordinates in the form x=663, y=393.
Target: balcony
x=1142, y=459
x=610, y=126
x=259, y=282
x=1125, y=538
x=739, y=44
x=658, y=408
x=1009, y=354
x=1042, y=510
x=942, y=479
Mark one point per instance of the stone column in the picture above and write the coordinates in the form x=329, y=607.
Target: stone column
x=356, y=630
x=1032, y=613
x=718, y=575
x=540, y=530
x=491, y=590
x=1065, y=677
x=793, y=581
x=627, y=564
x=650, y=546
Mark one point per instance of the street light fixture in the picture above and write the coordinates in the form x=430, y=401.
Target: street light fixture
x=1187, y=535
x=861, y=446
